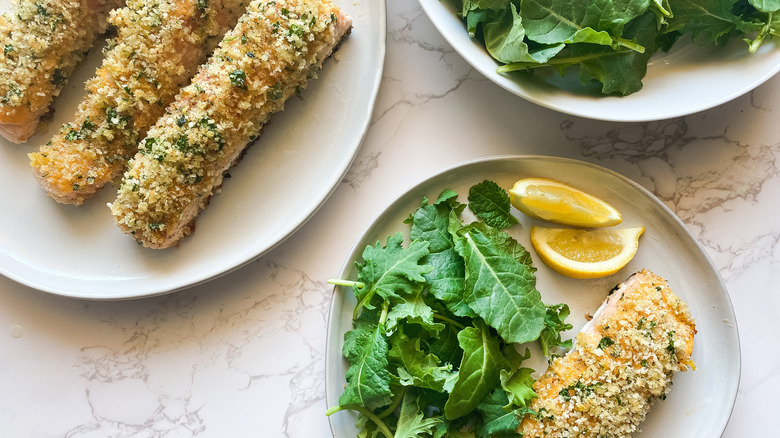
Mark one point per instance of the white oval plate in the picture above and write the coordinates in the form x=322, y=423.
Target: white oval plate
x=281, y=181
x=695, y=407
x=689, y=79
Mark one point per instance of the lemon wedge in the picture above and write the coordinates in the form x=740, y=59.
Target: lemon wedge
x=586, y=254
x=560, y=203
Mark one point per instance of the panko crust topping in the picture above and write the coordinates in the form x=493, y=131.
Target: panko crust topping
x=43, y=41
x=271, y=54
x=619, y=366
x=159, y=46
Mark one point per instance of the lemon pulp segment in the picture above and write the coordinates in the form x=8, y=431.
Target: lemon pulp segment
x=586, y=254
x=560, y=203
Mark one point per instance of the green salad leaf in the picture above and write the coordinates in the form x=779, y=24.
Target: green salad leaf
x=609, y=41
x=505, y=39
x=498, y=422
x=413, y=310
x=390, y=271
x=417, y=367
x=709, y=28
x=368, y=381
x=517, y=381
x=491, y=204
x=619, y=71
x=479, y=371
x=411, y=422
x=432, y=350
x=430, y=223
x=598, y=22
x=554, y=324
x=500, y=289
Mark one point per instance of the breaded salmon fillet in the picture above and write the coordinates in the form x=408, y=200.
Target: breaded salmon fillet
x=271, y=54
x=159, y=47
x=43, y=41
x=623, y=360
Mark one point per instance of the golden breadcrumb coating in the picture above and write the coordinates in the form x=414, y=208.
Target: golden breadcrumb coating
x=42, y=43
x=275, y=48
x=623, y=360
x=159, y=46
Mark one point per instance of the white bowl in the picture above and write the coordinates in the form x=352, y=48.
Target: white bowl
x=684, y=81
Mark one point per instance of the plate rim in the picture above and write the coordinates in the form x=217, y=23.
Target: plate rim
x=336, y=295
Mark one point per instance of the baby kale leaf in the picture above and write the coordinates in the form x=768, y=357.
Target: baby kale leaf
x=430, y=223
x=505, y=39
x=491, y=203
x=619, y=71
x=560, y=21
x=368, y=381
x=497, y=421
x=500, y=289
x=479, y=370
x=708, y=21
x=554, y=324
x=418, y=368
x=518, y=385
x=414, y=310
x=390, y=272
x=411, y=421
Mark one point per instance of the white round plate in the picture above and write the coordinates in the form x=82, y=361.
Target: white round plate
x=282, y=180
x=695, y=408
x=686, y=80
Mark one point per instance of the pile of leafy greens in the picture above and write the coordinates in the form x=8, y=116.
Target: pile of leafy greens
x=434, y=347
x=609, y=41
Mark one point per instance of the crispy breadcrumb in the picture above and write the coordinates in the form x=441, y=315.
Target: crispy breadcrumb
x=276, y=47
x=623, y=360
x=159, y=46
x=42, y=43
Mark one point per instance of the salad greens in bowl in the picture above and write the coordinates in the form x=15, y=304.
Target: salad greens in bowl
x=621, y=60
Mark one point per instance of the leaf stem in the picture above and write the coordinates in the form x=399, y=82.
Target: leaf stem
x=569, y=60
x=766, y=29
x=367, y=412
x=347, y=283
x=385, y=309
x=628, y=44
x=393, y=405
x=449, y=320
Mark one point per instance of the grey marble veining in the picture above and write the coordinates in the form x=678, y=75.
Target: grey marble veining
x=244, y=355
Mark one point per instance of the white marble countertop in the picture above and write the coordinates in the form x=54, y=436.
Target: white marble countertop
x=243, y=355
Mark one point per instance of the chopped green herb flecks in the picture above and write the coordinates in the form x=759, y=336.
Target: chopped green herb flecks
x=670, y=348
x=41, y=10
x=295, y=30
x=73, y=134
x=275, y=92
x=113, y=118
x=238, y=79
x=59, y=78
x=605, y=342
x=579, y=390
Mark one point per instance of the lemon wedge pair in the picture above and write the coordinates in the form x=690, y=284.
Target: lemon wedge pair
x=574, y=252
